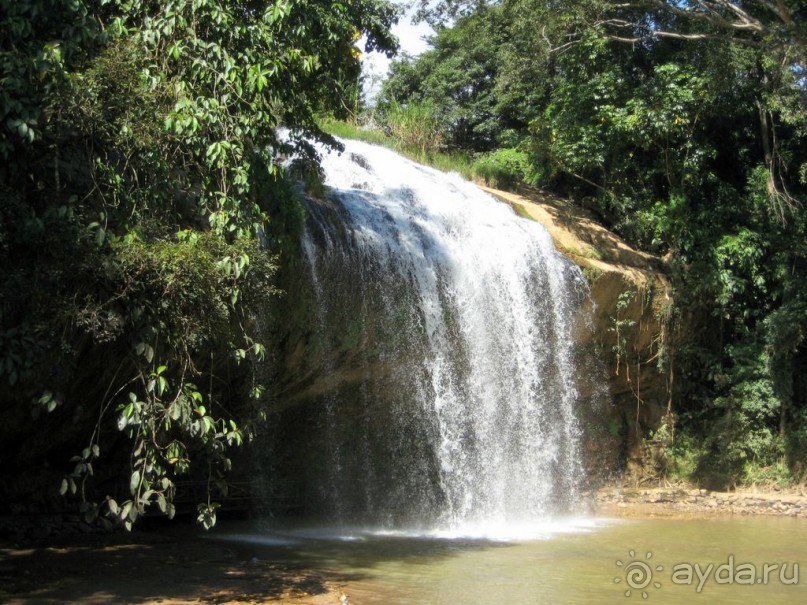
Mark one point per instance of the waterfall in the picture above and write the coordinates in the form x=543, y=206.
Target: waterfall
x=444, y=331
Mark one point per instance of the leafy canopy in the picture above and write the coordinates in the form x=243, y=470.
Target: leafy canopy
x=143, y=206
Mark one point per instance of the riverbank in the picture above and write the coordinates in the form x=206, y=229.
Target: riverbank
x=179, y=564
x=692, y=502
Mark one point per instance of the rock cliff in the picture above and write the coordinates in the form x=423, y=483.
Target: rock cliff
x=630, y=306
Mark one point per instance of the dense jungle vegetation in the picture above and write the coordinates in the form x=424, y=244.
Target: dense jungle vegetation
x=142, y=211
x=143, y=206
x=683, y=126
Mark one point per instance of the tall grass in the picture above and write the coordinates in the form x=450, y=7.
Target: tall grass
x=413, y=131
x=415, y=126
x=506, y=168
x=349, y=130
x=447, y=162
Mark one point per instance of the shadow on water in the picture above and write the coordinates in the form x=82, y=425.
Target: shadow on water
x=356, y=548
x=178, y=565
x=233, y=563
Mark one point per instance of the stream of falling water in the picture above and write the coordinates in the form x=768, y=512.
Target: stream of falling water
x=459, y=314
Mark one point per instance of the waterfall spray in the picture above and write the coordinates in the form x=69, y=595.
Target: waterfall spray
x=458, y=315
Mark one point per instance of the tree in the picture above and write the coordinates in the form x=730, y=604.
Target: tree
x=142, y=186
x=771, y=23
x=683, y=125
x=458, y=77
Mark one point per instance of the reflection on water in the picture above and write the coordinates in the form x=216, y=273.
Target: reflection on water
x=570, y=561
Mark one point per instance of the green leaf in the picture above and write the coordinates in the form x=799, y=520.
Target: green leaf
x=126, y=509
x=134, y=482
x=207, y=424
x=113, y=506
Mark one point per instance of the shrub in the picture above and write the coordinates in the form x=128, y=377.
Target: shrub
x=414, y=126
x=505, y=168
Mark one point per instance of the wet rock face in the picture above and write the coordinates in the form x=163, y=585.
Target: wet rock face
x=437, y=358
x=630, y=327
x=629, y=324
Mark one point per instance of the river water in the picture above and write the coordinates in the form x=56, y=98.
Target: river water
x=573, y=560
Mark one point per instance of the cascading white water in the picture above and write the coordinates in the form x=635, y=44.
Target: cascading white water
x=462, y=410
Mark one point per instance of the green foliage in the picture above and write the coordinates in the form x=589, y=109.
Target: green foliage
x=621, y=326
x=682, y=457
x=683, y=126
x=441, y=160
x=736, y=438
x=414, y=126
x=505, y=168
x=592, y=274
x=141, y=184
x=347, y=130
x=454, y=82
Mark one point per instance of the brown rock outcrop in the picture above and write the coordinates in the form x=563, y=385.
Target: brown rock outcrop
x=630, y=309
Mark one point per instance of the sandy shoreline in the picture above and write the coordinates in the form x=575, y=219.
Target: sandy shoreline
x=695, y=503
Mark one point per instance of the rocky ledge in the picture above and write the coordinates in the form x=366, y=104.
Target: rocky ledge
x=691, y=502
x=629, y=309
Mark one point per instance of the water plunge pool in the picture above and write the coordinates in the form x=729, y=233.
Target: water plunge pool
x=568, y=560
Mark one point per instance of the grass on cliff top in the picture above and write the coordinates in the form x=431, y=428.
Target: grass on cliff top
x=446, y=162
x=346, y=130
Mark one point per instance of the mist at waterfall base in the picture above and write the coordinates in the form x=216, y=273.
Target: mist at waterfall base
x=446, y=400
